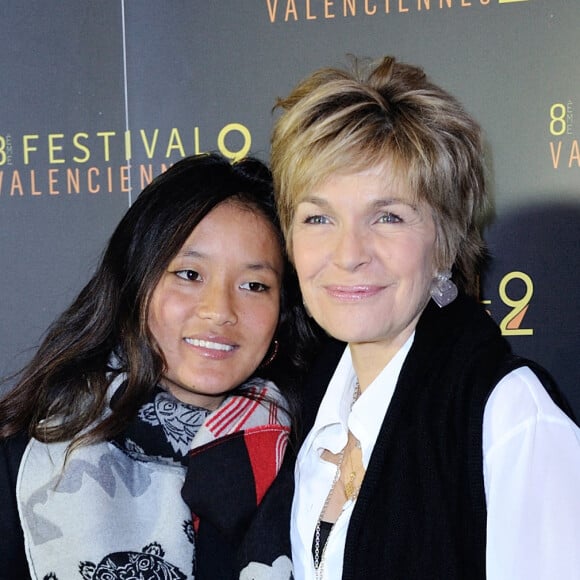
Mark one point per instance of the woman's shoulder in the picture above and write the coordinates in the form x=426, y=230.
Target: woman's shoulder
x=524, y=398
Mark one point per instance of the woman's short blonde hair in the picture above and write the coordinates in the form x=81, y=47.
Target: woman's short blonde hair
x=344, y=121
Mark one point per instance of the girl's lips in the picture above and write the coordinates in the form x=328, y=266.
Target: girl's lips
x=211, y=345
x=353, y=293
x=216, y=349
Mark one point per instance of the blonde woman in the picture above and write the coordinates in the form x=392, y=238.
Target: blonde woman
x=430, y=450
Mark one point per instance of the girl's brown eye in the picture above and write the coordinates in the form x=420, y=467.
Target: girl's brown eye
x=255, y=287
x=188, y=275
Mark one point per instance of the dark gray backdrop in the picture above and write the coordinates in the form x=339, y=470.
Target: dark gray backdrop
x=182, y=76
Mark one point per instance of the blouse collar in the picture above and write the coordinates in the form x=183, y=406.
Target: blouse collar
x=337, y=413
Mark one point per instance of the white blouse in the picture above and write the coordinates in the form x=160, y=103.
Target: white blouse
x=531, y=468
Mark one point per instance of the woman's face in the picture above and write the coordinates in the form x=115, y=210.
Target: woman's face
x=364, y=252
x=215, y=310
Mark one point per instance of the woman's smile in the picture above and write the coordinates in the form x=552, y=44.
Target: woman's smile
x=352, y=293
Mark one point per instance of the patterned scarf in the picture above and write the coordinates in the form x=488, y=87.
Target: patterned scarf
x=114, y=510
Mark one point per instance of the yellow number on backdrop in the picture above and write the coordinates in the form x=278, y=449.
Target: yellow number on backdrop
x=511, y=323
x=557, y=119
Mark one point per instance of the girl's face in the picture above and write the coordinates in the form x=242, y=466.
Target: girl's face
x=215, y=310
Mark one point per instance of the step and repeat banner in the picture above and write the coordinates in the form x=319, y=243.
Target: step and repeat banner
x=98, y=97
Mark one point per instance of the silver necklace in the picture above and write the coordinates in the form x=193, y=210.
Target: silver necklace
x=318, y=557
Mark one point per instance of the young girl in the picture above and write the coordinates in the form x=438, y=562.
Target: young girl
x=170, y=375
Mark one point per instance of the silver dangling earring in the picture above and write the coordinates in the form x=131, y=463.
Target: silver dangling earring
x=443, y=290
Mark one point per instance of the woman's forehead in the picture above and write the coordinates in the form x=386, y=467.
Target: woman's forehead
x=387, y=174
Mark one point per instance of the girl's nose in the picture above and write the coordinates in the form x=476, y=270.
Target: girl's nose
x=217, y=304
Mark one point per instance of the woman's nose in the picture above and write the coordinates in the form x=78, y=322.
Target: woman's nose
x=351, y=248
x=217, y=304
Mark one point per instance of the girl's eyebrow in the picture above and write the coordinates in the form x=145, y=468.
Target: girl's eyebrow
x=189, y=253
x=263, y=266
x=255, y=266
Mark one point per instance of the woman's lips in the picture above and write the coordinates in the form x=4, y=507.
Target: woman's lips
x=353, y=293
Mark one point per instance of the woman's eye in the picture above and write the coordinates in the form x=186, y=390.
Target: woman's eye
x=389, y=218
x=188, y=274
x=255, y=287
x=316, y=219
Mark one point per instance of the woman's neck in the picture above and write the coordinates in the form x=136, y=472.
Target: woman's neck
x=370, y=358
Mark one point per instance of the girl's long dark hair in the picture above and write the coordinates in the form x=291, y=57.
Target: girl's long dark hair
x=62, y=392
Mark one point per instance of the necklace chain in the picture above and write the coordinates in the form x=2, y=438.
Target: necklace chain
x=351, y=493
x=317, y=559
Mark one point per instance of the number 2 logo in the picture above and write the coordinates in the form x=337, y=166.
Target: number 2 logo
x=511, y=324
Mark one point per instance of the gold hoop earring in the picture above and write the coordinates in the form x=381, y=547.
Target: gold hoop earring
x=272, y=356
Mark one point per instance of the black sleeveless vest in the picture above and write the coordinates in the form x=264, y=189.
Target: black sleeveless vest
x=421, y=510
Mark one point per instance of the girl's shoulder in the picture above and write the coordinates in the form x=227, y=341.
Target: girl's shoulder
x=11, y=451
x=12, y=553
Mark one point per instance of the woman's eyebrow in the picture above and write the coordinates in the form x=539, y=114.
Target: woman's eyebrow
x=382, y=202
x=315, y=200
x=375, y=204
